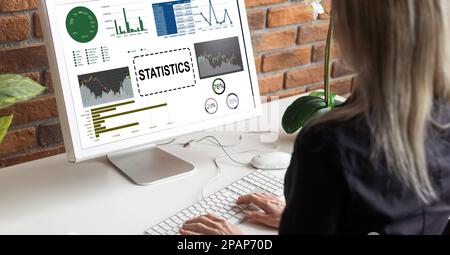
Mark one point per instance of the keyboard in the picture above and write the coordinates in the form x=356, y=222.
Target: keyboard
x=223, y=202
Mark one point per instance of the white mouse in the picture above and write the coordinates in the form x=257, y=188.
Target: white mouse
x=272, y=161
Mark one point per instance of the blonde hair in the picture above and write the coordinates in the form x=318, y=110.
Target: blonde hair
x=400, y=50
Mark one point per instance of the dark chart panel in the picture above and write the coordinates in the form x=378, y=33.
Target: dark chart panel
x=219, y=57
x=105, y=87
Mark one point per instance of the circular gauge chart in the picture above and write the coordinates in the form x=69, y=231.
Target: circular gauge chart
x=81, y=24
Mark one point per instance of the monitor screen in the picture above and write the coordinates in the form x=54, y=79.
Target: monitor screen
x=129, y=73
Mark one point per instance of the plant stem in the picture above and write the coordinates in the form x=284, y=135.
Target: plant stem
x=327, y=65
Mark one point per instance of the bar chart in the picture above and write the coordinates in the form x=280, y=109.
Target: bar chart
x=111, y=118
x=124, y=21
x=128, y=29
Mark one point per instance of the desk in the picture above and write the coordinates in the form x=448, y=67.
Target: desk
x=52, y=196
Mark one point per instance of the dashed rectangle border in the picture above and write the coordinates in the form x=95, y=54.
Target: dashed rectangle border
x=168, y=90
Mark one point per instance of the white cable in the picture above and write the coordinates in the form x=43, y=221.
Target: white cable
x=187, y=144
x=219, y=172
x=219, y=168
x=166, y=143
x=225, y=146
x=213, y=140
x=171, y=142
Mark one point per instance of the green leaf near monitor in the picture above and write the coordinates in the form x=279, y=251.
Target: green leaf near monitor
x=6, y=101
x=16, y=89
x=322, y=95
x=5, y=122
x=320, y=113
x=301, y=111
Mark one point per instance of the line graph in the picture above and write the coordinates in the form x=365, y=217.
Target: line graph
x=105, y=87
x=212, y=13
x=219, y=59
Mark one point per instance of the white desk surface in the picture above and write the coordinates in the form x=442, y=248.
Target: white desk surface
x=52, y=196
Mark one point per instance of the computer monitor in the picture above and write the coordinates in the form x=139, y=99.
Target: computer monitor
x=130, y=73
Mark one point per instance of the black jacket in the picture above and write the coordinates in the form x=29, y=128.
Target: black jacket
x=333, y=187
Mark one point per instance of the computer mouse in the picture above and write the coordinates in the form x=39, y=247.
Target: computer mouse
x=272, y=161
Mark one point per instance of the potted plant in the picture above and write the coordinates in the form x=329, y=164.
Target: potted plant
x=315, y=104
x=15, y=89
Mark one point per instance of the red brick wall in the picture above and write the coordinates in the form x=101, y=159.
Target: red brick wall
x=288, y=45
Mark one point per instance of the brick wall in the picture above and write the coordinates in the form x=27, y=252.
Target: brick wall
x=288, y=45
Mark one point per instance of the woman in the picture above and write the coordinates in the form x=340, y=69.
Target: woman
x=387, y=151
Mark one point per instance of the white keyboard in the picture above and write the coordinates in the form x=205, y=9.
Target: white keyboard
x=223, y=203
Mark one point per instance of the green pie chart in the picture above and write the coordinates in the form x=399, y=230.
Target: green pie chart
x=81, y=24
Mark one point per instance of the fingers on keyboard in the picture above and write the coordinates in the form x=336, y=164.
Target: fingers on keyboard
x=223, y=203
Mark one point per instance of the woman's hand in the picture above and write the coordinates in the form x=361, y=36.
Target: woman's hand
x=209, y=225
x=271, y=206
x=272, y=209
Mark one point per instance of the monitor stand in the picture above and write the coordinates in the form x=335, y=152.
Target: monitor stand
x=149, y=165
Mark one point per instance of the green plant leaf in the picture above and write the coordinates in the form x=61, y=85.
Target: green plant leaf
x=322, y=95
x=6, y=101
x=317, y=94
x=320, y=113
x=300, y=112
x=7, y=76
x=5, y=122
x=16, y=89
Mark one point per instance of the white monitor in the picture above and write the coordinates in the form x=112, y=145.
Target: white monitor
x=130, y=73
